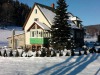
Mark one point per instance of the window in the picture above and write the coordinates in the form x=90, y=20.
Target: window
x=35, y=11
x=33, y=34
x=37, y=34
x=36, y=19
x=41, y=34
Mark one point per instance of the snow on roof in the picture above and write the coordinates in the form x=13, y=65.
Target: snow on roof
x=75, y=18
x=43, y=26
x=72, y=24
x=70, y=15
x=18, y=34
x=48, y=13
x=50, y=16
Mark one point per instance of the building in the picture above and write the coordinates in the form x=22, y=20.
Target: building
x=16, y=41
x=38, y=24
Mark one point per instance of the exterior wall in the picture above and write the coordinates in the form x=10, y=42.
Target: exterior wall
x=79, y=37
x=19, y=41
x=40, y=37
x=41, y=18
x=33, y=15
x=27, y=38
x=39, y=40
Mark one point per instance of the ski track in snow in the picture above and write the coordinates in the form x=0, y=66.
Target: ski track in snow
x=69, y=65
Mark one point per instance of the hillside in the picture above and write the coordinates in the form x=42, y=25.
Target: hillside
x=13, y=12
x=93, y=29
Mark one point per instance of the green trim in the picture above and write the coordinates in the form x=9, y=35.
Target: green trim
x=39, y=40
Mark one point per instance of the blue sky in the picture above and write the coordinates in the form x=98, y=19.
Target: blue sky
x=87, y=10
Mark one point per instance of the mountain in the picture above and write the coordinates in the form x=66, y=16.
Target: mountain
x=93, y=29
x=12, y=12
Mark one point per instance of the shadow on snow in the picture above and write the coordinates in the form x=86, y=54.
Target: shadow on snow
x=67, y=67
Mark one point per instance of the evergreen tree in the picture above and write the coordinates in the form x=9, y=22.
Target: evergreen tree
x=85, y=52
x=80, y=53
x=91, y=50
x=94, y=50
x=37, y=54
x=60, y=54
x=0, y=53
x=67, y=54
x=11, y=53
x=43, y=53
x=48, y=53
x=72, y=52
x=54, y=53
x=12, y=12
x=22, y=53
x=5, y=53
x=17, y=53
x=60, y=30
x=98, y=50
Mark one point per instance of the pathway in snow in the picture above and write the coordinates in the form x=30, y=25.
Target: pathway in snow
x=76, y=65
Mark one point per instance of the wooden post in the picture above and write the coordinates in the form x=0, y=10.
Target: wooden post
x=13, y=39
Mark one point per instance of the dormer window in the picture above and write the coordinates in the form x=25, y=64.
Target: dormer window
x=35, y=11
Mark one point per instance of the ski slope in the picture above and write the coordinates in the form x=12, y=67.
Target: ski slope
x=69, y=65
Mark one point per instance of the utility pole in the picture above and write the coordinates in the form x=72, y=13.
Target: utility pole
x=13, y=39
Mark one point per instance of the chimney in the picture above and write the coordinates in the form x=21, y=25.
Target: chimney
x=53, y=5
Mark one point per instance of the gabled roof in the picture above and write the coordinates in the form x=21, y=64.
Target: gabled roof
x=49, y=13
x=47, y=7
x=75, y=18
x=73, y=26
x=16, y=35
x=43, y=26
x=72, y=17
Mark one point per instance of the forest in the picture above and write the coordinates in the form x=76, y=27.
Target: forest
x=13, y=12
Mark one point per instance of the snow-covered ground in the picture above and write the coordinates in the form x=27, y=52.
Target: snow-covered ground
x=69, y=65
x=91, y=39
x=7, y=32
x=65, y=65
